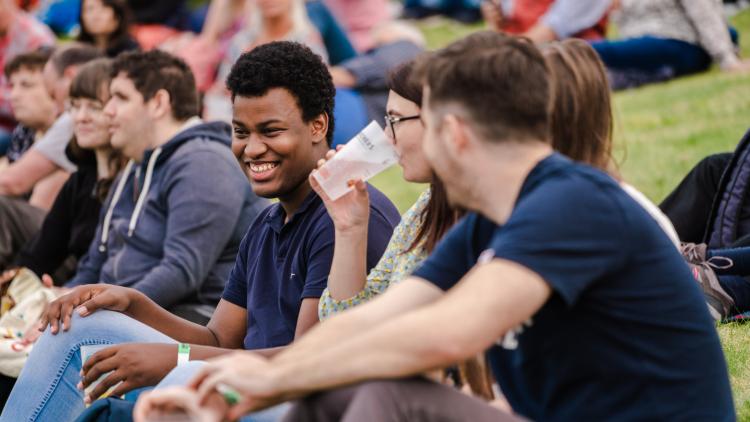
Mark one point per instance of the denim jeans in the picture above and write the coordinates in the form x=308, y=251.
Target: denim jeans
x=46, y=389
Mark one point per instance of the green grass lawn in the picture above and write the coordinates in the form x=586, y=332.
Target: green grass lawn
x=661, y=132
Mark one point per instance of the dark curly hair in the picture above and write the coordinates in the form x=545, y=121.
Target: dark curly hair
x=288, y=65
x=154, y=70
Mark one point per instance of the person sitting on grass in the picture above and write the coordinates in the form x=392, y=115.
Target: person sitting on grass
x=282, y=99
x=566, y=282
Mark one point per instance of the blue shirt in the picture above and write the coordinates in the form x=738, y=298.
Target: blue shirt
x=279, y=265
x=625, y=335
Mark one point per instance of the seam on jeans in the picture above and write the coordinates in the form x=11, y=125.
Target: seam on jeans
x=60, y=371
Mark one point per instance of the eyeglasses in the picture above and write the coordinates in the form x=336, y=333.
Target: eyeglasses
x=390, y=122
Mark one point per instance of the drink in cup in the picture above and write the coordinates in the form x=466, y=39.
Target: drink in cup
x=364, y=156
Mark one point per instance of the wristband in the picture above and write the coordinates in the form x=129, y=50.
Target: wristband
x=183, y=354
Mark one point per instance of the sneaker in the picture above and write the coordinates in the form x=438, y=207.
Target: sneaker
x=720, y=304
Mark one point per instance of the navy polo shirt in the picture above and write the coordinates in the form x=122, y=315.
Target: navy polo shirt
x=626, y=333
x=279, y=264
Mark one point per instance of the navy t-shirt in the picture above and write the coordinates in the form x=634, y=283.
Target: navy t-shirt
x=279, y=265
x=625, y=335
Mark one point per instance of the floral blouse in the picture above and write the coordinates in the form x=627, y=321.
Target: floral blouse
x=394, y=266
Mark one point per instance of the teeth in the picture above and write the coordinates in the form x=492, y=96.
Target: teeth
x=260, y=168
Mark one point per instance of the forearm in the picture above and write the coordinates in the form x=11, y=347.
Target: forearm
x=220, y=15
x=12, y=184
x=476, y=313
x=349, y=265
x=45, y=192
x=403, y=347
x=148, y=312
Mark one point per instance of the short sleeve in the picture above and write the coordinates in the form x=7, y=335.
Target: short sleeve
x=319, y=258
x=452, y=257
x=569, y=232
x=53, y=144
x=235, y=290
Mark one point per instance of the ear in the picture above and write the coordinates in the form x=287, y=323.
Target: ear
x=457, y=131
x=319, y=126
x=70, y=72
x=160, y=105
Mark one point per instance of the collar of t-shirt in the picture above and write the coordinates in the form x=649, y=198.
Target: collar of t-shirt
x=276, y=218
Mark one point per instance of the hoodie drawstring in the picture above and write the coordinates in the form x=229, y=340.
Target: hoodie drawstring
x=112, y=203
x=144, y=191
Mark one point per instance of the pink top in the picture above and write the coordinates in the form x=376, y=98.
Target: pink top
x=359, y=17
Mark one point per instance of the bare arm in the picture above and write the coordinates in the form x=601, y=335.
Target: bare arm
x=409, y=294
x=489, y=301
x=221, y=14
x=20, y=177
x=45, y=192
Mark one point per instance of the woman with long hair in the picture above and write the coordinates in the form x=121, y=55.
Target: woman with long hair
x=106, y=24
x=582, y=115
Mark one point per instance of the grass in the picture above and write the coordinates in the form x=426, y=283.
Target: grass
x=661, y=132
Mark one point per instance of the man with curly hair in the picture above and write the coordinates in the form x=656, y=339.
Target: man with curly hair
x=282, y=98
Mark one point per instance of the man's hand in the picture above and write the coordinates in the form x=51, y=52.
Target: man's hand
x=85, y=300
x=8, y=275
x=132, y=365
x=249, y=374
x=178, y=401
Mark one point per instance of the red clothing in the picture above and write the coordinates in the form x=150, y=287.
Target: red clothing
x=526, y=13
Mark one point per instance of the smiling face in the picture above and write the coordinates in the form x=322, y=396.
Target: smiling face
x=276, y=147
x=90, y=123
x=408, y=139
x=131, y=125
x=32, y=105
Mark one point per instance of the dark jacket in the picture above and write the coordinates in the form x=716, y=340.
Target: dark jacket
x=70, y=225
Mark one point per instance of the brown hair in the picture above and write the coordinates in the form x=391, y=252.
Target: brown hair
x=501, y=82
x=153, y=70
x=73, y=54
x=582, y=112
x=33, y=61
x=438, y=216
x=436, y=219
x=92, y=82
x=121, y=34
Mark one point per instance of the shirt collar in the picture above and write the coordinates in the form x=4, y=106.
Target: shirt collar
x=275, y=218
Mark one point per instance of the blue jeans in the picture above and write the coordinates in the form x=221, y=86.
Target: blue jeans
x=46, y=389
x=649, y=54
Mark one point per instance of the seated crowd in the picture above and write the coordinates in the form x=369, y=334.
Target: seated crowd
x=159, y=188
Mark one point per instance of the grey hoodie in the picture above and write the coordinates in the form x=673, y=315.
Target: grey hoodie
x=172, y=224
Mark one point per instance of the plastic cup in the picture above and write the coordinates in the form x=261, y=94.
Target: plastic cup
x=86, y=352
x=364, y=156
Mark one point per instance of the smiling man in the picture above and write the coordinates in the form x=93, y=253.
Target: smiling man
x=283, y=97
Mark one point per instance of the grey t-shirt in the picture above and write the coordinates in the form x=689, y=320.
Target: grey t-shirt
x=52, y=145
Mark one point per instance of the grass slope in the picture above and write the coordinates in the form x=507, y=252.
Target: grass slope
x=661, y=132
